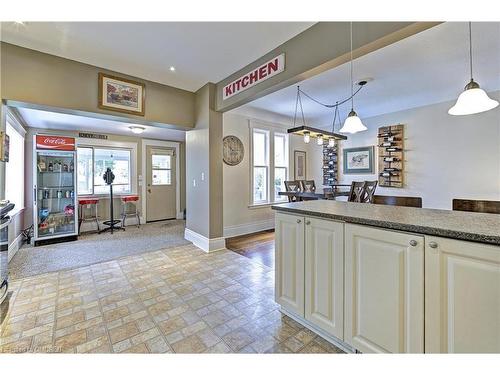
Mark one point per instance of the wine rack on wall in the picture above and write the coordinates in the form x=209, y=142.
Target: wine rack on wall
x=330, y=164
x=391, y=156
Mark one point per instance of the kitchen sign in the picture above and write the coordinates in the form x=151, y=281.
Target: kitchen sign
x=258, y=75
x=52, y=142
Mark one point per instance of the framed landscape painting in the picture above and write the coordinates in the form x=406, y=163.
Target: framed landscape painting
x=359, y=160
x=122, y=95
x=300, y=165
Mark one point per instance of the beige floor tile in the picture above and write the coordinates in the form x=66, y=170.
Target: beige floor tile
x=191, y=344
x=71, y=341
x=173, y=300
x=123, y=332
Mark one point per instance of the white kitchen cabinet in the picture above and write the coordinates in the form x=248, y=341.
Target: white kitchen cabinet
x=324, y=275
x=462, y=296
x=384, y=290
x=289, y=263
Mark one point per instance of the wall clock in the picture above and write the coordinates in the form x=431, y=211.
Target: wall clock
x=233, y=150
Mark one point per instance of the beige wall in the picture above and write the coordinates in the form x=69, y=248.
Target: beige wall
x=239, y=217
x=46, y=80
x=103, y=208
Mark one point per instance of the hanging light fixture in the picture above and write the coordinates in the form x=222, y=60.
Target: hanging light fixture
x=331, y=142
x=352, y=123
x=307, y=137
x=473, y=99
x=319, y=140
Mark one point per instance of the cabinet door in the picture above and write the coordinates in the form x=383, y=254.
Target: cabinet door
x=384, y=290
x=462, y=296
x=324, y=278
x=289, y=241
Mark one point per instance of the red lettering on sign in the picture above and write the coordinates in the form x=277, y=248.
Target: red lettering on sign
x=272, y=66
x=262, y=72
x=253, y=76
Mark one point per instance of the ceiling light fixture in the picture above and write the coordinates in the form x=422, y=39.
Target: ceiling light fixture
x=307, y=137
x=473, y=99
x=172, y=68
x=137, y=129
x=352, y=123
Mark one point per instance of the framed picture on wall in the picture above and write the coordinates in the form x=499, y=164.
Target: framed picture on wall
x=359, y=160
x=121, y=95
x=299, y=165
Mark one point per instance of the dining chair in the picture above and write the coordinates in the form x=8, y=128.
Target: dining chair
x=308, y=186
x=490, y=207
x=357, y=191
x=369, y=191
x=293, y=186
x=398, y=201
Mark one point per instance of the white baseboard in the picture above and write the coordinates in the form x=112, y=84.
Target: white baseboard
x=241, y=229
x=180, y=215
x=208, y=245
x=335, y=341
x=14, y=247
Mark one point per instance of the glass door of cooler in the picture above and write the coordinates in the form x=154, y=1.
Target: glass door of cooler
x=55, y=213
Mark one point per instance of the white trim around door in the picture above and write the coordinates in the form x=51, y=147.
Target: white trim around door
x=142, y=180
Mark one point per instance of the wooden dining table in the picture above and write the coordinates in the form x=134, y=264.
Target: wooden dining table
x=306, y=195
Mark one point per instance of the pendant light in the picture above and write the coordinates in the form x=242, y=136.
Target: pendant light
x=352, y=123
x=473, y=99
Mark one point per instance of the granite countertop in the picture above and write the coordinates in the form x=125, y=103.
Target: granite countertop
x=469, y=226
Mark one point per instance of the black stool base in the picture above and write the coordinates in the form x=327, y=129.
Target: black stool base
x=111, y=226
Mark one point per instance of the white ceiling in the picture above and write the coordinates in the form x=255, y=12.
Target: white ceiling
x=59, y=121
x=426, y=68
x=201, y=52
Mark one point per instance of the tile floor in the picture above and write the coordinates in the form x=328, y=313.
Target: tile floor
x=176, y=300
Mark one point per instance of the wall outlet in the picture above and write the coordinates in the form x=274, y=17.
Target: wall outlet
x=194, y=182
x=202, y=176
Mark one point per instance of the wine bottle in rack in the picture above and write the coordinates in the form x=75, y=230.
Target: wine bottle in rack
x=391, y=169
x=390, y=159
x=392, y=149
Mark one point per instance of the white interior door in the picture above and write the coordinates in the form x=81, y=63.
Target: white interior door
x=160, y=189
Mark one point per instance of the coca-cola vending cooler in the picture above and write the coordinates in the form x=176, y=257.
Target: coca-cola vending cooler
x=54, y=188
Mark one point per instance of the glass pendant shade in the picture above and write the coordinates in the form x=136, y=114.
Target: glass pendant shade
x=331, y=142
x=307, y=137
x=319, y=140
x=472, y=100
x=353, y=124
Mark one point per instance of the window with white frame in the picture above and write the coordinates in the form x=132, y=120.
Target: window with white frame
x=269, y=164
x=93, y=162
x=14, y=169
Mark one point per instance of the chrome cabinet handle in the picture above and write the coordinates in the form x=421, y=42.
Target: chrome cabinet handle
x=299, y=221
x=433, y=245
x=413, y=243
x=308, y=222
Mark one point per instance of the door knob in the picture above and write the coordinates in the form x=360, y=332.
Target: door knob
x=149, y=190
x=413, y=243
x=308, y=222
x=433, y=245
x=299, y=221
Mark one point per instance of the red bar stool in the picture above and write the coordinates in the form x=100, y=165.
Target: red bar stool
x=129, y=208
x=87, y=211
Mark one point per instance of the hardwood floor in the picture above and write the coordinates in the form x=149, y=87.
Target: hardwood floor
x=256, y=246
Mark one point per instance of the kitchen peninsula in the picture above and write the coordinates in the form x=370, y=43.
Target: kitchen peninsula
x=379, y=279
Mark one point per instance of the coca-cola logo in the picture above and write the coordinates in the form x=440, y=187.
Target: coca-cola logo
x=54, y=141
